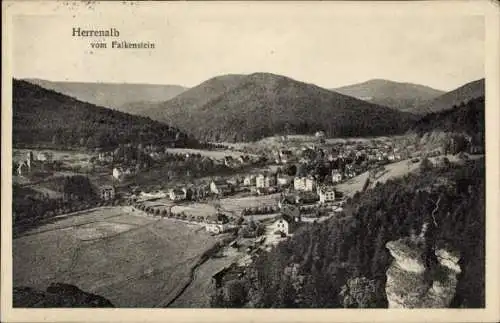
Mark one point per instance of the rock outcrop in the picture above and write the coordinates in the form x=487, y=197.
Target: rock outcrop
x=57, y=295
x=413, y=284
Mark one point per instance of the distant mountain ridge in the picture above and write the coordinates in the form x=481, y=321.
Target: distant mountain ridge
x=250, y=107
x=406, y=97
x=118, y=96
x=45, y=117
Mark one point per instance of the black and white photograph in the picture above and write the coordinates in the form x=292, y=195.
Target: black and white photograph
x=264, y=156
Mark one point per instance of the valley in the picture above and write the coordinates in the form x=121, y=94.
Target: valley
x=180, y=212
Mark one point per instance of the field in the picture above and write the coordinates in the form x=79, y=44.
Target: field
x=236, y=205
x=132, y=260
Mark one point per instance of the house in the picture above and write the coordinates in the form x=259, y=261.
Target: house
x=304, y=183
x=44, y=156
x=284, y=156
x=105, y=157
x=265, y=180
x=249, y=180
x=177, y=194
x=283, y=180
x=280, y=226
x=291, y=213
x=326, y=194
x=336, y=176
x=199, y=192
x=218, y=223
x=107, y=192
x=118, y=173
x=220, y=187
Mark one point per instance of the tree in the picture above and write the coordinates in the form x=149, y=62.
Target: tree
x=425, y=165
x=359, y=292
x=235, y=293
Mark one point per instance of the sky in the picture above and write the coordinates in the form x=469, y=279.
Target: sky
x=306, y=44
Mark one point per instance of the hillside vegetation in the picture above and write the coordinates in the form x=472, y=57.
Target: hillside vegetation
x=250, y=107
x=402, y=96
x=464, y=93
x=118, y=96
x=347, y=255
x=44, y=117
x=465, y=117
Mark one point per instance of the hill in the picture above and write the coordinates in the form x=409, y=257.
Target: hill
x=467, y=118
x=462, y=94
x=402, y=96
x=118, y=96
x=45, y=117
x=250, y=107
x=197, y=96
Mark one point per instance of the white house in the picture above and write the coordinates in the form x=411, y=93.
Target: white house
x=118, y=173
x=283, y=180
x=249, y=180
x=177, y=194
x=304, y=184
x=220, y=187
x=44, y=156
x=218, y=223
x=280, y=225
x=326, y=194
x=265, y=180
x=336, y=176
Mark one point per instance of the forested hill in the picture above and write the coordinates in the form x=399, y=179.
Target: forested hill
x=455, y=97
x=466, y=117
x=118, y=96
x=251, y=107
x=45, y=117
x=325, y=256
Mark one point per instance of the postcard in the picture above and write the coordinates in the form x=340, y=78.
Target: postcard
x=250, y=161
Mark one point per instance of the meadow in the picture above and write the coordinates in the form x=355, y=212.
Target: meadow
x=130, y=259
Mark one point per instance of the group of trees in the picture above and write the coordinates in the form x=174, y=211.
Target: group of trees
x=467, y=117
x=343, y=255
x=259, y=210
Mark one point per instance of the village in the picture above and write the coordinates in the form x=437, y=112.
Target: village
x=249, y=199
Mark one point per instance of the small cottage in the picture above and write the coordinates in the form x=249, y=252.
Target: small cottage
x=220, y=187
x=281, y=226
x=177, y=194
x=107, y=192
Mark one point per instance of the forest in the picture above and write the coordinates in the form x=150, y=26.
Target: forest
x=342, y=262
x=467, y=118
x=44, y=117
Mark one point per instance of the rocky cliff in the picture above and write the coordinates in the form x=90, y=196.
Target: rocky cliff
x=413, y=284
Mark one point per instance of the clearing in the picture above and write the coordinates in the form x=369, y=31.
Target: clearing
x=132, y=260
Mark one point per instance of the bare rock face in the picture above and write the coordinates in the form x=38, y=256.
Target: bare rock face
x=410, y=284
